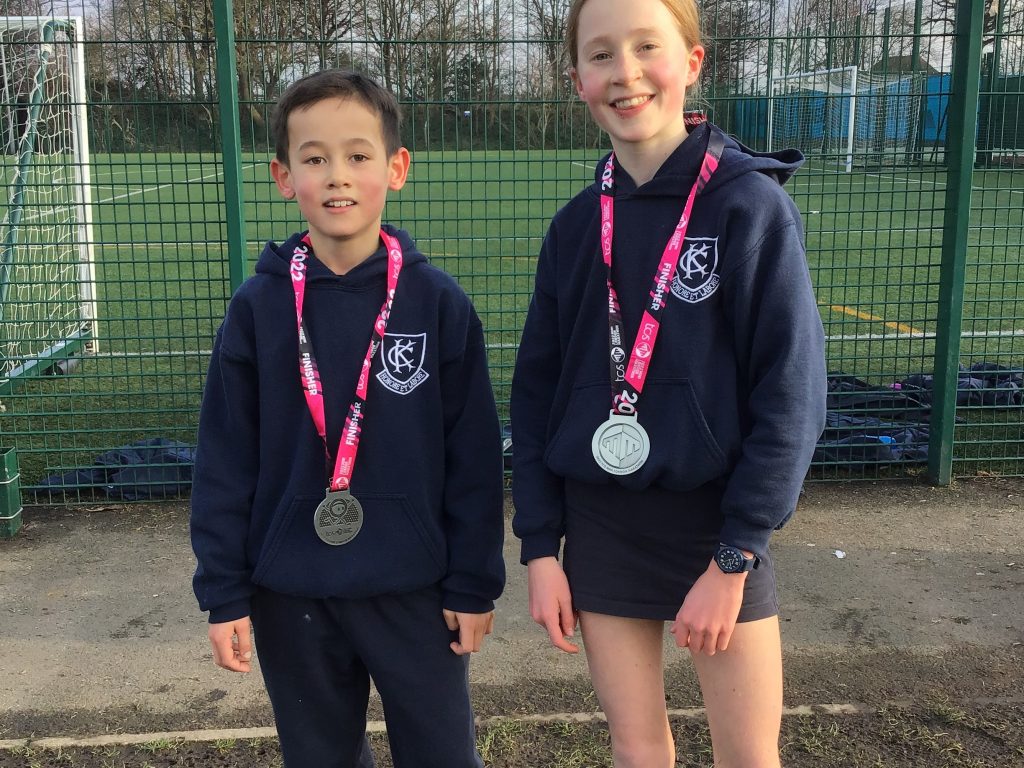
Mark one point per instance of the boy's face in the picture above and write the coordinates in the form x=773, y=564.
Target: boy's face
x=339, y=172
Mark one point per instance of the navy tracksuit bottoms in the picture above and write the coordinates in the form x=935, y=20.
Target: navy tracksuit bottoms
x=318, y=656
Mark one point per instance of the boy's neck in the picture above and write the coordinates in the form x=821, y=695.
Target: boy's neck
x=641, y=162
x=341, y=256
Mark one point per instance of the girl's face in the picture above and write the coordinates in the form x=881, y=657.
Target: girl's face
x=633, y=69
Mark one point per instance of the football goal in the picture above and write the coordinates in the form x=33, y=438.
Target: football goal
x=47, y=278
x=845, y=116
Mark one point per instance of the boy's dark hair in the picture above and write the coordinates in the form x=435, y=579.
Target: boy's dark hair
x=338, y=84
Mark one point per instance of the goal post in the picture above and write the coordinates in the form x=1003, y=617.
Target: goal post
x=815, y=112
x=847, y=116
x=47, y=271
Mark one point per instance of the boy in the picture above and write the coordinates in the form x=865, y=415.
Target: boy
x=392, y=572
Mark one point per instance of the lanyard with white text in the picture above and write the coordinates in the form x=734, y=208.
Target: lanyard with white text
x=628, y=380
x=310, y=376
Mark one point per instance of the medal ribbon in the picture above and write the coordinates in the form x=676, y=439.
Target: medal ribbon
x=628, y=381
x=309, y=374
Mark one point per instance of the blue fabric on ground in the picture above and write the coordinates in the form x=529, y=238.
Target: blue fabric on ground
x=984, y=383
x=156, y=468
x=853, y=439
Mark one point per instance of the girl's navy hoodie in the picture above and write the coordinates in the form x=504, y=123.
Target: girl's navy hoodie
x=736, y=391
x=429, y=468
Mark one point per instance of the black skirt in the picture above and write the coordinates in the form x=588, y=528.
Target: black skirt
x=637, y=554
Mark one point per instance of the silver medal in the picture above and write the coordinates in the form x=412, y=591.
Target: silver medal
x=338, y=518
x=620, y=445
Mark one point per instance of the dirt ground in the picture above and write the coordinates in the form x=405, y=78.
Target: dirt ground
x=934, y=735
x=902, y=630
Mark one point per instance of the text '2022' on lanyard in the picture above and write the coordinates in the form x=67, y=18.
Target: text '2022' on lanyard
x=339, y=517
x=620, y=444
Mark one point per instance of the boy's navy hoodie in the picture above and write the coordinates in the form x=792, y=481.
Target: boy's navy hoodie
x=736, y=391
x=429, y=468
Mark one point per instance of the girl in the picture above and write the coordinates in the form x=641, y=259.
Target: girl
x=668, y=393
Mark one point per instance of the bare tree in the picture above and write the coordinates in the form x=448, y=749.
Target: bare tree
x=545, y=72
x=545, y=22
x=735, y=34
x=327, y=23
x=484, y=68
x=193, y=21
x=388, y=25
x=287, y=38
x=439, y=41
x=820, y=34
x=943, y=13
x=27, y=8
x=488, y=23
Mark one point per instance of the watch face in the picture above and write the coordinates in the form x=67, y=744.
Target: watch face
x=729, y=560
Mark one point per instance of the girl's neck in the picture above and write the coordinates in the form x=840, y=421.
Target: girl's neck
x=642, y=160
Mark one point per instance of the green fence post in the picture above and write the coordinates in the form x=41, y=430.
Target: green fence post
x=231, y=139
x=915, y=152
x=10, y=493
x=857, y=33
x=960, y=144
x=994, y=118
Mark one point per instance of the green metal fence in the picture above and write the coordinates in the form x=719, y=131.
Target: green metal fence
x=912, y=197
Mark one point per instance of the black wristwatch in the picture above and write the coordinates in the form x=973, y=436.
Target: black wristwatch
x=733, y=560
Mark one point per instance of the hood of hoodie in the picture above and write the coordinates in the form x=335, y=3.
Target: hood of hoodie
x=276, y=260
x=680, y=170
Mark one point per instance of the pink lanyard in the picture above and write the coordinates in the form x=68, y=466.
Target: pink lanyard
x=628, y=382
x=310, y=374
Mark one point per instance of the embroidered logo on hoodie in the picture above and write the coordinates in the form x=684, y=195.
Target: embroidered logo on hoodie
x=697, y=274
x=403, y=355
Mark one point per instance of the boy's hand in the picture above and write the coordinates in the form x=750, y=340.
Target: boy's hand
x=708, y=616
x=471, y=628
x=551, y=602
x=232, y=645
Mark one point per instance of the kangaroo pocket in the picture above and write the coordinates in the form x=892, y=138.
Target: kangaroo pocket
x=396, y=550
x=684, y=452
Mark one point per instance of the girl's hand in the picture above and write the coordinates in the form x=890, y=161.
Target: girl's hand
x=550, y=601
x=708, y=616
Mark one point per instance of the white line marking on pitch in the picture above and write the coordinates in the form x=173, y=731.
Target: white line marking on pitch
x=917, y=181
x=378, y=726
x=514, y=345
x=218, y=172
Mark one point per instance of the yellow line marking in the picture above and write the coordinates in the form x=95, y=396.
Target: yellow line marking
x=865, y=316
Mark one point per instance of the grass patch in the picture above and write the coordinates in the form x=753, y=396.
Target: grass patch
x=936, y=733
x=874, y=241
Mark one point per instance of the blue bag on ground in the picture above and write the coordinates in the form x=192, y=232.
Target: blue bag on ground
x=156, y=468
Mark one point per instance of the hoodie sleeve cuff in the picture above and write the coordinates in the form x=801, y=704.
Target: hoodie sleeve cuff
x=539, y=545
x=230, y=612
x=739, y=533
x=463, y=603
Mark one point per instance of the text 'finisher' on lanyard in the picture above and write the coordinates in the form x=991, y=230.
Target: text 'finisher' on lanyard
x=339, y=516
x=620, y=444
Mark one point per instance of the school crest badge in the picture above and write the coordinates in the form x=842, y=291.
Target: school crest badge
x=403, y=355
x=697, y=273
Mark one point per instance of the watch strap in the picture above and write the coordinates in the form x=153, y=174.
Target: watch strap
x=749, y=563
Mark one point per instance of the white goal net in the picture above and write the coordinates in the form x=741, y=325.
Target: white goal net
x=846, y=116
x=47, y=283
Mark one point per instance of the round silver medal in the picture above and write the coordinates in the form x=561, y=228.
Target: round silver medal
x=338, y=518
x=620, y=445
